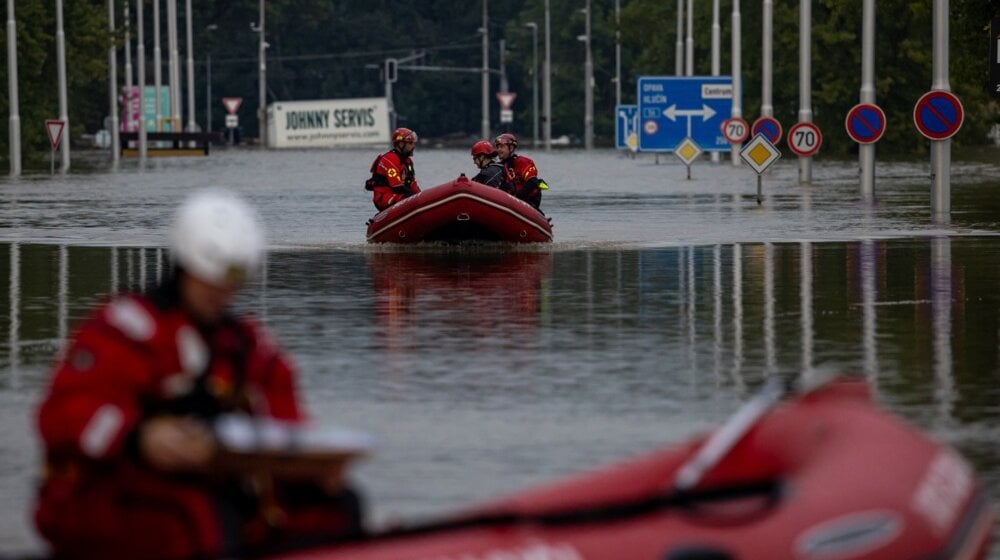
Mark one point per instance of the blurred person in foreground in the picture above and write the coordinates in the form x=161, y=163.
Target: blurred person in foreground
x=520, y=171
x=126, y=424
x=491, y=172
x=393, y=178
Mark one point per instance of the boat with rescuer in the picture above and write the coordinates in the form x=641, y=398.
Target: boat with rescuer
x=460, y=210
x=798, y=473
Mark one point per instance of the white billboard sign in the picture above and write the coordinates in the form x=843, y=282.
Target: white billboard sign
x=328, y=123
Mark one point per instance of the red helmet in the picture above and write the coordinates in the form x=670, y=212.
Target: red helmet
x=403, y=135
x=483, y=148
x=506, y=138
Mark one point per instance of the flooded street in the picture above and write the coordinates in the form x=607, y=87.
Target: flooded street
x=661, y=305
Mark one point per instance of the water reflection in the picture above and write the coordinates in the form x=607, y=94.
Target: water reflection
x=598, y=350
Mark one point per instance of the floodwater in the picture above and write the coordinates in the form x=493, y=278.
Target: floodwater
x=661, y=305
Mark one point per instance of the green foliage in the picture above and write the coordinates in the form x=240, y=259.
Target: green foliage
x=335, y=49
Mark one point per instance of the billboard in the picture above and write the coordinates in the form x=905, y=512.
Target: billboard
x=328, y=123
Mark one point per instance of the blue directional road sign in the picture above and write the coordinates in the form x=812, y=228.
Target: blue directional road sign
x=672, y=108
x=627, y=127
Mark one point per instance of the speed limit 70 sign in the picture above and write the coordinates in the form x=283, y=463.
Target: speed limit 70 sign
x=804, y=139
x=736, y=130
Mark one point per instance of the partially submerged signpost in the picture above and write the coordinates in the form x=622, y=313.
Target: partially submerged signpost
x=54, y=129
x=759, y=153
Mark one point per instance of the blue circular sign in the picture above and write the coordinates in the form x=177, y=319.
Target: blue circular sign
x=769, y=127
x=865, y=123
x=938, y=114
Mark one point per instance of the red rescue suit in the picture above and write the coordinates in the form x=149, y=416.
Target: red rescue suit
x=521, y=173
x=143, y=356
x=392, y=179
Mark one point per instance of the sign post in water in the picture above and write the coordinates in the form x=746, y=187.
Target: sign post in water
x=54, y=128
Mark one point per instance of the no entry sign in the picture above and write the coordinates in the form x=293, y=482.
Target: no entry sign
x=865, y=123
x=769, y=127
x=804, y=139
x=938, y=114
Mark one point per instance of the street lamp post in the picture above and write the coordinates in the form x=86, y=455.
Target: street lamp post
x=534, y=81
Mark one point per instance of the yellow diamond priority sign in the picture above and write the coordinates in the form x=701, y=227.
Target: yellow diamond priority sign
x=688, y=150
x=759, y=153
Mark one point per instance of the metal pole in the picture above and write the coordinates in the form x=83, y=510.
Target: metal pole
x=766, y=106
x=175, y=68
x=737, y=61
x=679, y=45
x=157, y=66
x=618, y=53
x=208, y=92
x=112, y=84
x=129, y=115
x=534, y=81
x=63, y=104
x=588, y=72
x=190, y=68
x=716, y=32
x=14, y=121
x=262, y=91
x=941, y=149
x=689, y=41
x=547, y=88
x=805, y=81
x=866, y=152
x=485, y=128
x=140, y=57
x=389, y=78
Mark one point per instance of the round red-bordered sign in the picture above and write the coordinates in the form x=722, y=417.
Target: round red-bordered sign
x=938, y=114
x=804, y=139
x=865, y=123
x=735, y=130
x=769, y=127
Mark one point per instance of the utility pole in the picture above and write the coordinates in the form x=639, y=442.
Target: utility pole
x=175, y=68
x=716, y=31
x=866, y=152
x=736, y=51
x=689, y=41
x=679, y=45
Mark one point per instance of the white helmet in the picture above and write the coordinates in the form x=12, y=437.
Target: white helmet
x=217, y=237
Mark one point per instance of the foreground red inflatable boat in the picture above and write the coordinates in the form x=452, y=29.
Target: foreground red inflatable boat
x=825, y=475
x=460, y=210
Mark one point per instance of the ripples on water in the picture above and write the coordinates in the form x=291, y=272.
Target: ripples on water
x=661, y=305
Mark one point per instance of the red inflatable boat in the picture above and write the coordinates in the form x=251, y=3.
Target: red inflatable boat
x=824, y=475
x=460, y=210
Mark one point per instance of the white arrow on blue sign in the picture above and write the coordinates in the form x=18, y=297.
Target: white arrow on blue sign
x=672, y=108
x=627, y=127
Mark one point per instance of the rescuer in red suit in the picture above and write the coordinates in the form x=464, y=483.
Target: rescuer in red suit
x=392, y=172
x=126, y=422
x=520, y=171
